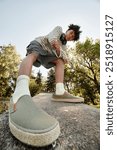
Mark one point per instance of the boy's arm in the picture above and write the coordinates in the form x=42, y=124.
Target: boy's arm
x=56, y=46
x=59, y=51
x=55, y=34
x=53, y=38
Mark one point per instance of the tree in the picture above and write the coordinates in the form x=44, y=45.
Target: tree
x=34, y=87
x=82, y=75
x=88, y=58
x=36, y=84
x=39, y=78
x=9, y=62
x=50, y=83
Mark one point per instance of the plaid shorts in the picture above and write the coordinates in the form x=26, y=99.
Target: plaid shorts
x=45, y=58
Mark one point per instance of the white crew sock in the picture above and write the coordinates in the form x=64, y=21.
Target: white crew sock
x=60, y=89
x=22, y=87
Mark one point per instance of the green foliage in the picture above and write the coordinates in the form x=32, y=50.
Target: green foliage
x=34, y=87
x=50, y=83
x=4, y=105
x=35, y=84
x=9, y=61
x=39, y=78
x=82, y=75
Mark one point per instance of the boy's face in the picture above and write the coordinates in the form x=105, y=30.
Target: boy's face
x=70, y=35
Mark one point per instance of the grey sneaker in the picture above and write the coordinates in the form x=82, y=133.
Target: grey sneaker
x=32, y=125
x=66, y=97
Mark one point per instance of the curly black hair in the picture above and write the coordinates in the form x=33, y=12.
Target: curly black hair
x=76, y=29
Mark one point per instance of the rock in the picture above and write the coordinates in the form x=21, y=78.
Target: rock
x=79, y=125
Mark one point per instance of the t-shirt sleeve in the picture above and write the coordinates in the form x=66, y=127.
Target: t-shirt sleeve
x=55, y=34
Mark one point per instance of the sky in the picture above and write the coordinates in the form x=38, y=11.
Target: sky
x=21, y=21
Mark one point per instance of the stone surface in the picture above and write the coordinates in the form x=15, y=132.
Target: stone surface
x=79, y=125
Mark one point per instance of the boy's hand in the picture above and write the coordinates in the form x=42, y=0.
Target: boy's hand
x=56, y=45
x=66, y=61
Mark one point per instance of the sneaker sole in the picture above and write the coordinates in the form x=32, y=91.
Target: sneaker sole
x=37, y=140
x=68, y=100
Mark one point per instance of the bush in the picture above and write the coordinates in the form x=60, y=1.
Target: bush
x=34, y=87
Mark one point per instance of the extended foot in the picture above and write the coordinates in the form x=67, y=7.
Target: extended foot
x=32, y=125
x=66, y=97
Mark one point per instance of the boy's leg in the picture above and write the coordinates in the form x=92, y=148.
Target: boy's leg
x=26, y=65
x=22, y=85
x=59, y=76
x=61, y=94
x=30, y=124
x=59, y=71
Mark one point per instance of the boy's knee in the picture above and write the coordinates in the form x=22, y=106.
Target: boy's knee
x=33, y=56
x=59, y=61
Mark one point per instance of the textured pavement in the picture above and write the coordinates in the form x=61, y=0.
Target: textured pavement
x=79, y=123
